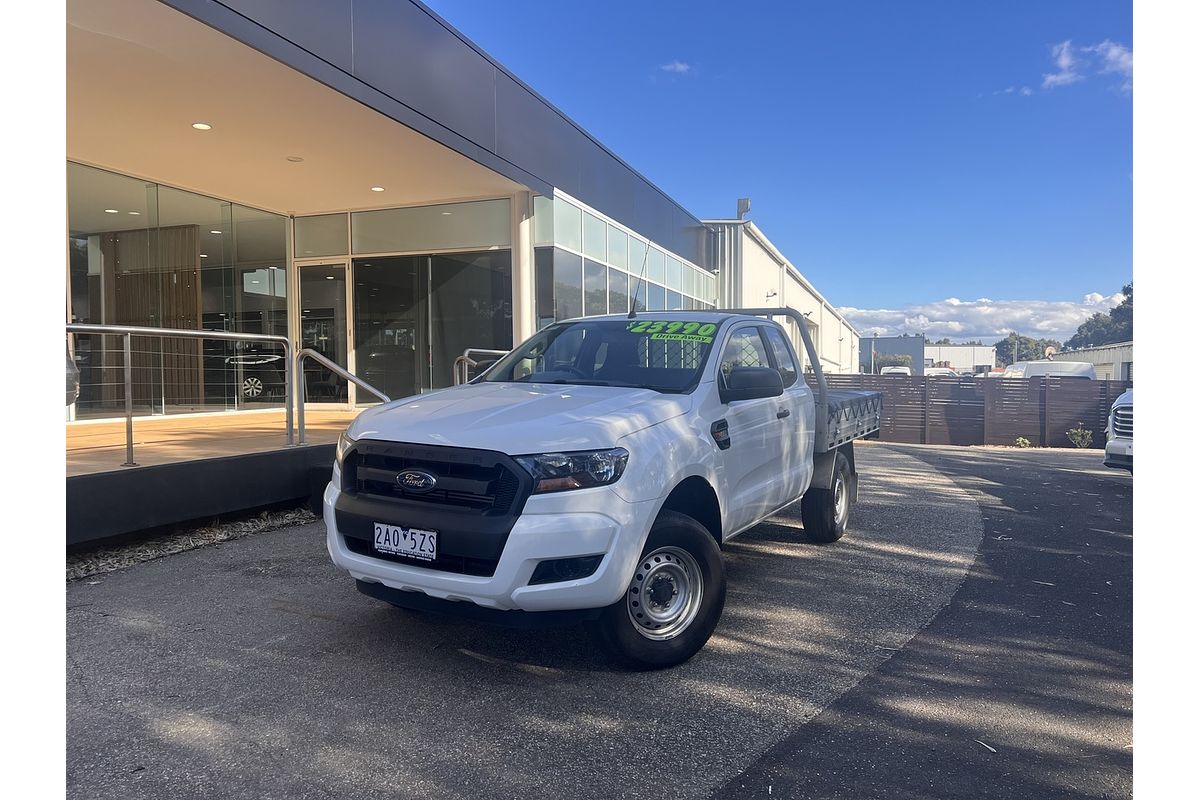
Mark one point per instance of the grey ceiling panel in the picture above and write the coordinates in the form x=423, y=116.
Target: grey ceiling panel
x=404, y=52
x=530, y=132
x=323, y=28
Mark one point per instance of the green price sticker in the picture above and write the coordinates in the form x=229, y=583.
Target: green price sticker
x=704, y=330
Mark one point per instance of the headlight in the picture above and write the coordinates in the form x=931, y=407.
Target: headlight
x=560, y=472
x=343, y=446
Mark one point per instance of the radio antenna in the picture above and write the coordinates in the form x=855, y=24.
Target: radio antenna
x=638, y=288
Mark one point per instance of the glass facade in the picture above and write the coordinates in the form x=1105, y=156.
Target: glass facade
x=393, y=294
x=150, y=255
x=587, y=266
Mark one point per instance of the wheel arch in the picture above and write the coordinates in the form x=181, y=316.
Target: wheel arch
x=822, y=477
x=695, y=497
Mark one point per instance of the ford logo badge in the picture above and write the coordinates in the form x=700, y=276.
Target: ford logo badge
x=416, y=481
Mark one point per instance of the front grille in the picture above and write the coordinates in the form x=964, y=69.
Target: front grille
x=1123, y=422
x=481, y=567
x=486, y=486
x=476, y=500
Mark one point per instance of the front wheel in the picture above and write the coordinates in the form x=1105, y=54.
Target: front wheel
x=826, y=512
x=673, y=602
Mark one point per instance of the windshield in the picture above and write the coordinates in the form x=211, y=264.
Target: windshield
x=663, y=355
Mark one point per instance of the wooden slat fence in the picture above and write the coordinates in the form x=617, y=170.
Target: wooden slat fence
x=966, y=411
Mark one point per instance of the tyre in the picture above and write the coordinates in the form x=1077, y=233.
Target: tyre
x=825, y=512
x=674, y=600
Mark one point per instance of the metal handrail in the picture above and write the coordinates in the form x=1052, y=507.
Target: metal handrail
x=465, y=362
x=127, y=332
x=336, y=370
x=801, y=321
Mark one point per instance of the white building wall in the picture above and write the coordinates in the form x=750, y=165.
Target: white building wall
x=765, y=278
x=962, y=357
x=1114, y=362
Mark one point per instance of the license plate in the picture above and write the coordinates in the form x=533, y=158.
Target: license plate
x=399, y=541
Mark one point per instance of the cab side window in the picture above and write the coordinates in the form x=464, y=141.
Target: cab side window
x=745, y=348
x=783, y=356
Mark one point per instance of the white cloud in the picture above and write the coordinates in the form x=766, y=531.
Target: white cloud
x=1115, y=58
x=1074, y=64
x=1023, y=91
x=984, y=319
x=1063, y=55
x=677, y=67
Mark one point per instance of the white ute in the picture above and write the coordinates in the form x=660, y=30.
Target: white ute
x=593, y=473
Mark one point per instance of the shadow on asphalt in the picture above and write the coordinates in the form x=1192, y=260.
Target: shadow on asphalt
x=1022, y=686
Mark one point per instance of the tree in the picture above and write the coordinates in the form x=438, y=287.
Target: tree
x=1015, y=347
x=1115, y=326
x=890, y=360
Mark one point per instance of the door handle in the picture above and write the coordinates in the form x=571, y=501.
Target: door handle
x=783, y=412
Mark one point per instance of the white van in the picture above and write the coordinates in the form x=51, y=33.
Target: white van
x=896, y=371
x=1064, y=369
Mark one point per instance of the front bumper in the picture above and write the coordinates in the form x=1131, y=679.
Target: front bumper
x=562, y=525
x=1118, y=453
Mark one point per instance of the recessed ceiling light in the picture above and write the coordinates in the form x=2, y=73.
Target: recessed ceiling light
x=328, y=277
x=135, y=213
x=214, y=231
x=447, y=213
x=202, y=126
x=204, y=255
x=376, y=188
x=295, y=159
x=254, y=281
x=110, y=211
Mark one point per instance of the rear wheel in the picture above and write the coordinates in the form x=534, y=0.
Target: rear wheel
x=826, y=512
x=673, y=602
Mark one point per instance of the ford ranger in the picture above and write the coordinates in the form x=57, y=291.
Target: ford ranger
x=594, y=473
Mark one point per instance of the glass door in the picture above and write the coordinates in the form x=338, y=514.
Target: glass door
x=325, y=328
x=391, y=325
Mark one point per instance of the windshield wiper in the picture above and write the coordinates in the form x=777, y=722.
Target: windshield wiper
x=577, y=382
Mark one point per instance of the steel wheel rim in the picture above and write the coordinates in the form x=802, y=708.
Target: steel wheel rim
x=252, y=387
x=839, y=499
x=664, y=597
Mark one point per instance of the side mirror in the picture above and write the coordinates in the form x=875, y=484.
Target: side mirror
x=751, y=383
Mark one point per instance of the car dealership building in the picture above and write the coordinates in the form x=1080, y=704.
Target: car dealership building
x=362, y=179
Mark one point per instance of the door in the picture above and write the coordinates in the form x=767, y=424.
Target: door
x=324, y=328
x=754, y=477
x=796, y=418
x=391, y=325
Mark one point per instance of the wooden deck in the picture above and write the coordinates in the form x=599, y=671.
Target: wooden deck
x=100, y=446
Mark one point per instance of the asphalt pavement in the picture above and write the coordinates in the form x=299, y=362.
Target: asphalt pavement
x=253, y=668
x=1022, y=686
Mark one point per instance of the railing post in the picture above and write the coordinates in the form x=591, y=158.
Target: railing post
x=301, y=392
x=129, y=462
x=289, y=392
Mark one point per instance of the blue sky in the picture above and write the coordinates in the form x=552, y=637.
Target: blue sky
x=899, y=153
